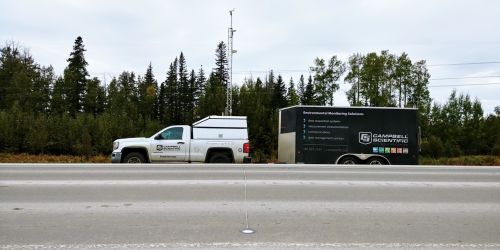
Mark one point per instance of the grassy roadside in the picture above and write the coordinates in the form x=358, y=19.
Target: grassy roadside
x=28, y=158
x=471, y=160
x=474, y=160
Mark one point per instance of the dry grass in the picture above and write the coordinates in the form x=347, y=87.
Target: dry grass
x=471, y=160
x=475, y=160
x=27, y=158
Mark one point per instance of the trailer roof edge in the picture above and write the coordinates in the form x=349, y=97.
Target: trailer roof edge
x=351, y=107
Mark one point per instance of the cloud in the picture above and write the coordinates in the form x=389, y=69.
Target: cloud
x=276, y=34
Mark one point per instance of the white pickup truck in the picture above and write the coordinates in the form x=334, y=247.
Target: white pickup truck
x=214, y=139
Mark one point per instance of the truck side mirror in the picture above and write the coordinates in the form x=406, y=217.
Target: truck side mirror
x=159, y=137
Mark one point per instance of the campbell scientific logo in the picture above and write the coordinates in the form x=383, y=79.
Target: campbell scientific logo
x=365, y=137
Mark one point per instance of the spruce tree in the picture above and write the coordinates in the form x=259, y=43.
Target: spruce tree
x=309, y=94
x=221, y=70
x=161, y=105
x=279, y=94
x=292, y=97
x=147, y=95
x=93, y=100
x=171, y=108
x=199, y=91
x=185, y=94
x=301, y=89
x=75, y=77
x=213, y=100
x=192, y=102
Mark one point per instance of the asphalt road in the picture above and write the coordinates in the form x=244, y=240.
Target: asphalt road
x=289, y=206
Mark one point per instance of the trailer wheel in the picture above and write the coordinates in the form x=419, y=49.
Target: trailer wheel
x=376, y=161
x=219, y=158
x=348, y=160
x=134, y=157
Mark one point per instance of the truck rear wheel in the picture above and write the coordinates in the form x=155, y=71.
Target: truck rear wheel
x=348, y=160
x=376, y=161
x=219, y=158
x=134, y=158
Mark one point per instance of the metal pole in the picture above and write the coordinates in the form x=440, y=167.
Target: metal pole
x=229, y=94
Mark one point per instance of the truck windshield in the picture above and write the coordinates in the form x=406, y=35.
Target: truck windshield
x=171, y=134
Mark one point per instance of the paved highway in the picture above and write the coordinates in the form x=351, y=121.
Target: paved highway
x=289, y=206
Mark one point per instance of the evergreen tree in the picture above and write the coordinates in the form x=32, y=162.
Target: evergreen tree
x=123, y=96
x=161, y=104
x=185, y=93
x=279, y=94
x=94, y=98
x=12, y=69
x=491, y=133
x=75, y=77
x=148, y=96
x=302, y=89
x=22, y=81
x=292, y=97
x=213, y=101
x=192, y=98
x=309, y=94
x=199, y=91
x=171, y=108
x=221, y=70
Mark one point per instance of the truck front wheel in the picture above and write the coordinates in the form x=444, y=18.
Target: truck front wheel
x=219, y=158
x=134, y=158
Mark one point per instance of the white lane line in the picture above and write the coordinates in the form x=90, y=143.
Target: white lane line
x=335, y=183
x=250, y=166
x=268, y=245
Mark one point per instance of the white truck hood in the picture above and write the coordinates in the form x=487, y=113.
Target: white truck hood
x=135, y=139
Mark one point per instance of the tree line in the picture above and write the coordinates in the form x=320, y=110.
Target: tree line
x=73, y=113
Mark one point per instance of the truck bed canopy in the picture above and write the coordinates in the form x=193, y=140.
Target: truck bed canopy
x=221, y=127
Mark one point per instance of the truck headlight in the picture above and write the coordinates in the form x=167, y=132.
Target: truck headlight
x=115, y=145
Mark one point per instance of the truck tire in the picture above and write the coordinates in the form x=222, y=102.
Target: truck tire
x=376, y=161
x=349, y=160
x=134, y=158
x=219, y=158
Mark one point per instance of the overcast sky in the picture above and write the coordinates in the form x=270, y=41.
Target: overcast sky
x=282, y=35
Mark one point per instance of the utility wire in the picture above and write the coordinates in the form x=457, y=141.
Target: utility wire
x=459, y=64
x=464, y=77
x=461, y=85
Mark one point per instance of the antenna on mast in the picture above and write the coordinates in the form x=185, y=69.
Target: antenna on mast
x=230, y=52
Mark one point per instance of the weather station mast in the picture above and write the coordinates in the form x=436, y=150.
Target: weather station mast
x=230, y=52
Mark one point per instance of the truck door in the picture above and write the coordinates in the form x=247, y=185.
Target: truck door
x=170, y=145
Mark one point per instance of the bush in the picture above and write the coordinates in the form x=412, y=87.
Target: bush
x=471, y=160
x=496, y=149
x=433, y=147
